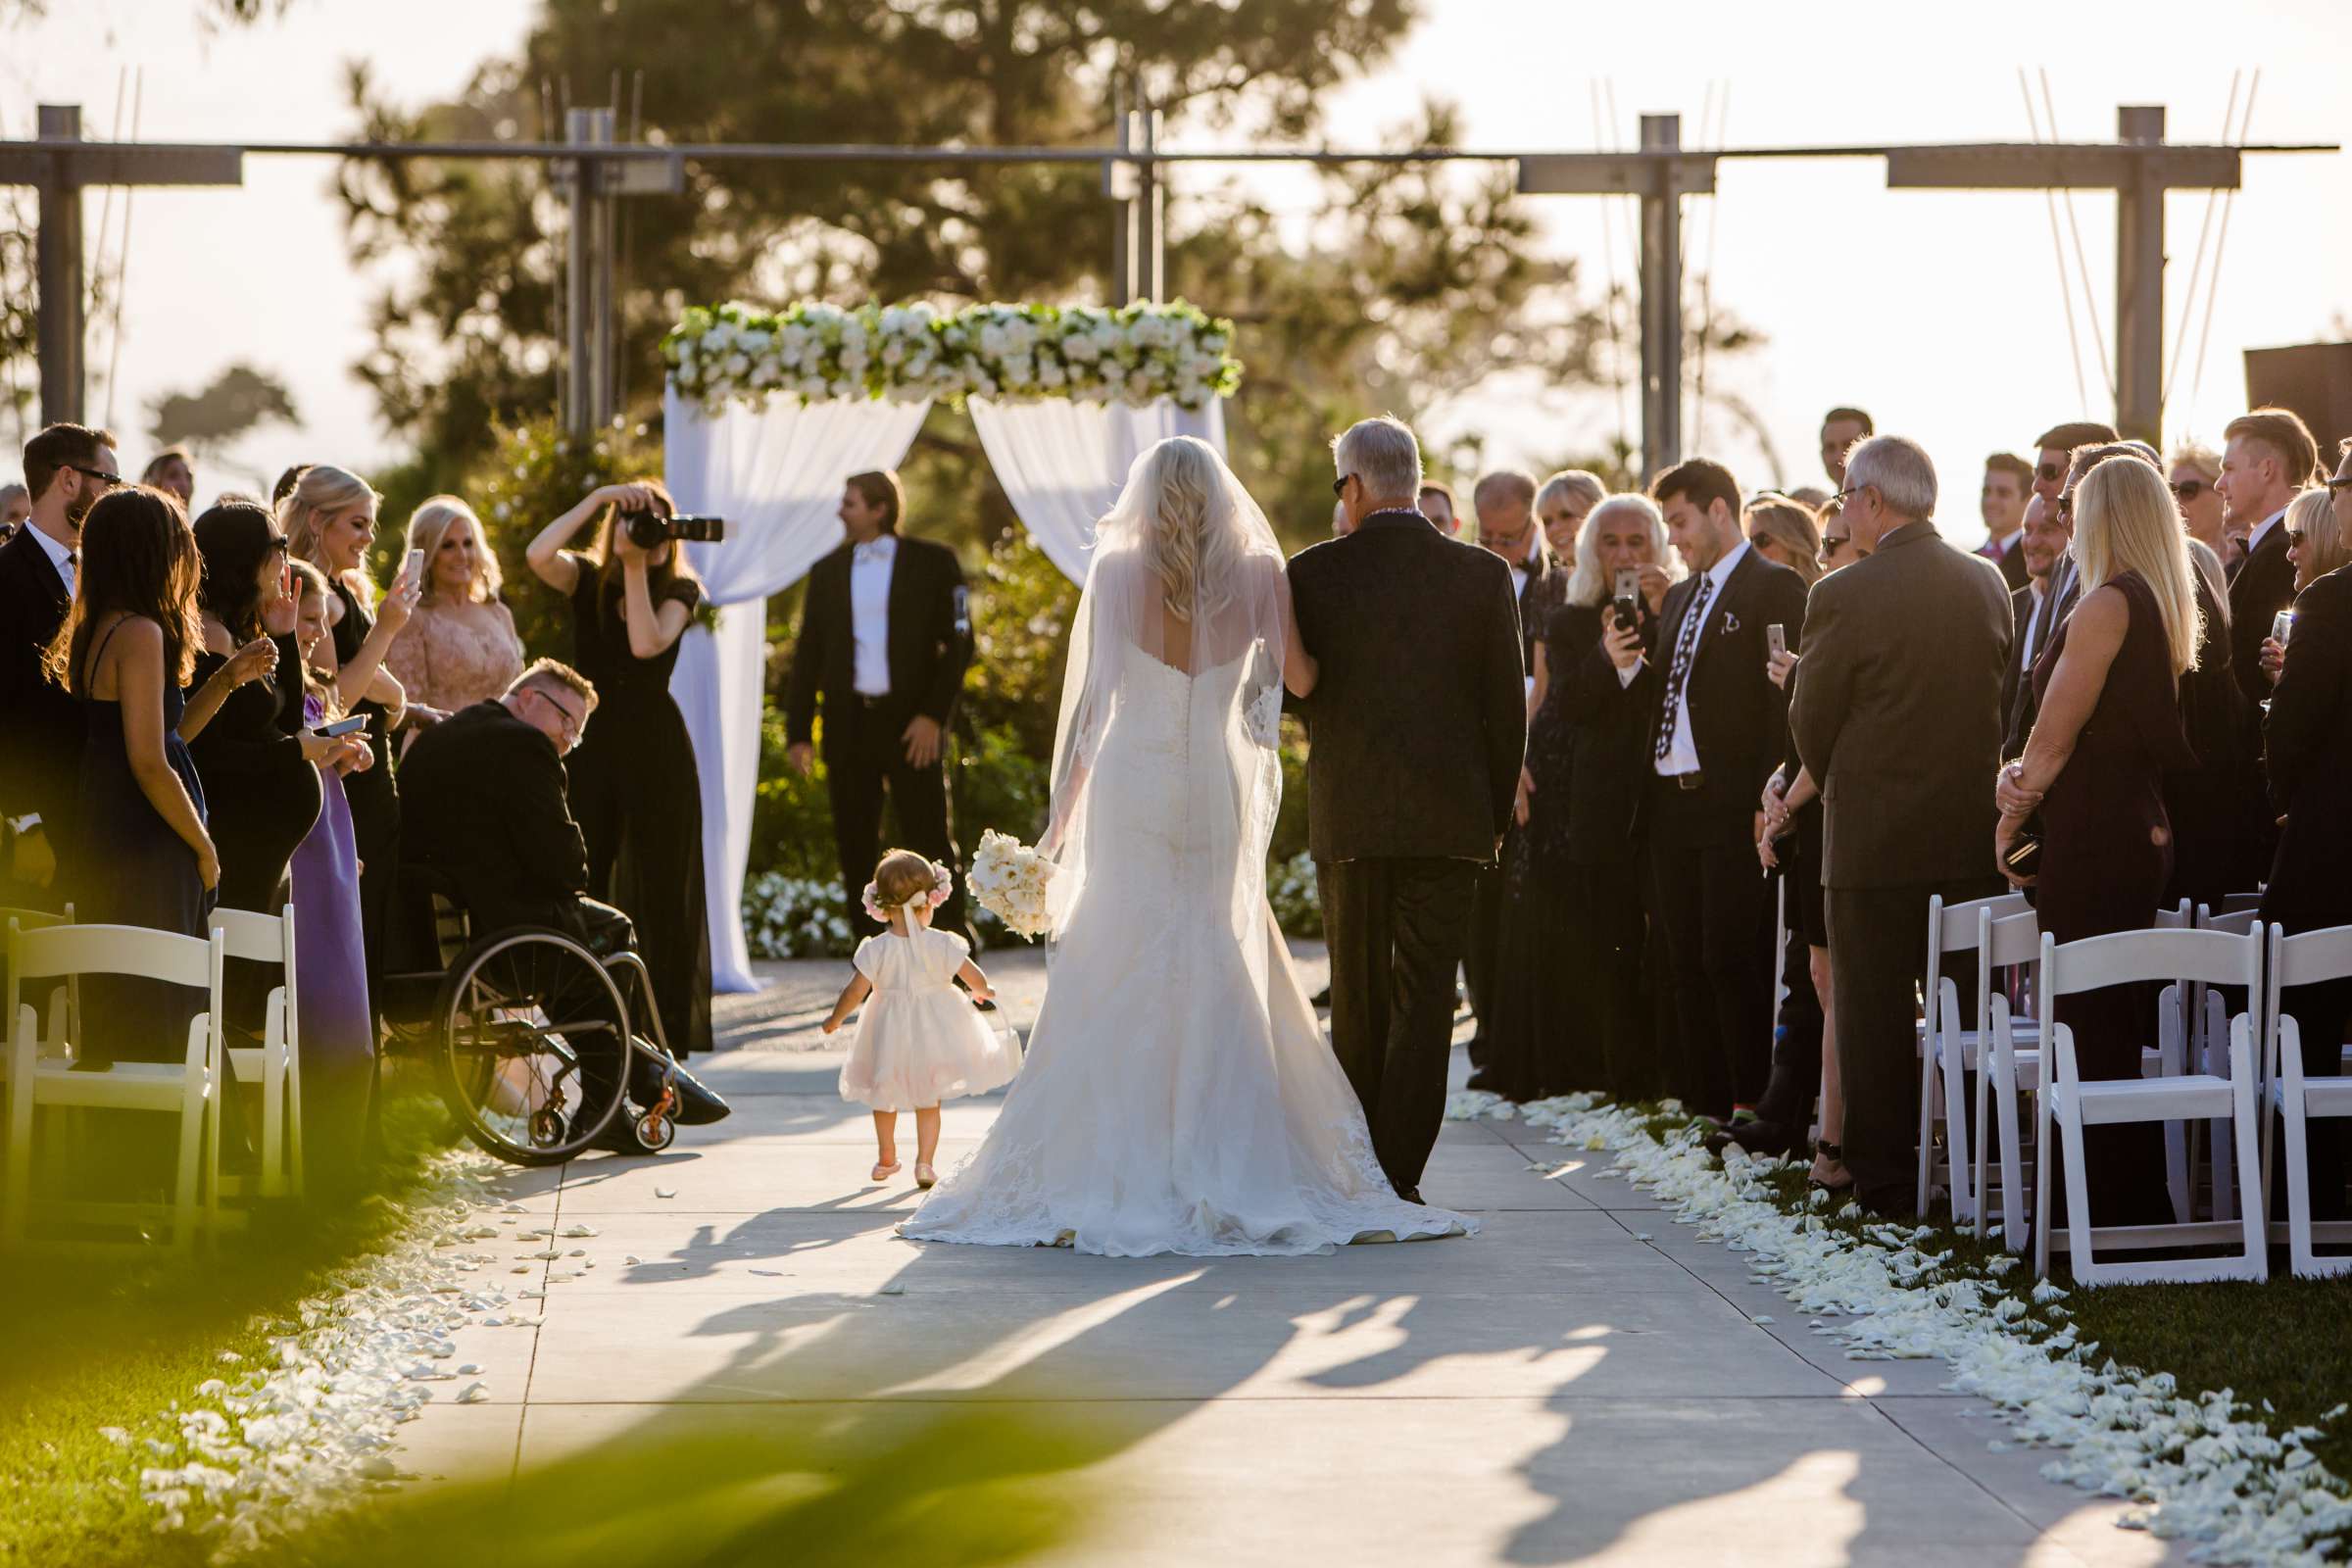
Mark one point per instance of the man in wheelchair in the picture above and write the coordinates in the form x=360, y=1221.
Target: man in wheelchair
x=486, y=821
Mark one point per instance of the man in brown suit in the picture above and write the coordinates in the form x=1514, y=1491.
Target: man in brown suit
x=1896, y=711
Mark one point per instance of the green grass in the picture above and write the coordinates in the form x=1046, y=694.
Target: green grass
x=2285, y=1344
x=94, y=1342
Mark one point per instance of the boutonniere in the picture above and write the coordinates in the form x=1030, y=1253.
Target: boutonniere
x=1730, y=624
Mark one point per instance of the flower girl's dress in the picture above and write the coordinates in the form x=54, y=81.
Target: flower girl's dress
x=919, y=1039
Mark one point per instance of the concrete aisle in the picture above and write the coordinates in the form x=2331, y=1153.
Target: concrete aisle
x=1583, y=1382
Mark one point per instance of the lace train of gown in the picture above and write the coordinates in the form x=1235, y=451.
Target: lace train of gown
x=1178, y=1095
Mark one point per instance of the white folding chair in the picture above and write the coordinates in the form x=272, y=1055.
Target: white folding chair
x=2169, y=1056
x=184, y=1088
x=1954, y=928
x=2295, y=1100
x=2009, y=1063
x=2067, y=1099
x=2210, y=1050
x=275, y=1065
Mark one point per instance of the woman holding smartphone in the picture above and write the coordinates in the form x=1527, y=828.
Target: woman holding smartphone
x=328, y=518
x=1566, y=992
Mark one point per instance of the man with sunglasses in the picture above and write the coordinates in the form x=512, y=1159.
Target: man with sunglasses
x=66, y=468
x=2055, y=446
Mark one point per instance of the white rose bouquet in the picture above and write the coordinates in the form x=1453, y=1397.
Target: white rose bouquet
x=1011, y=880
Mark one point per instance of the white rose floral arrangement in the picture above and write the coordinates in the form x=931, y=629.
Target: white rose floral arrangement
x=1013, y=883
x=909, y=353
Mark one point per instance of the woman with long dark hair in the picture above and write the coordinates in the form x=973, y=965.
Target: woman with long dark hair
x=328, y=516
x=125, y=650
x=634, y=788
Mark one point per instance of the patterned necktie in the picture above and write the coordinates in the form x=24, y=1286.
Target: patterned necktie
x=1685, y=644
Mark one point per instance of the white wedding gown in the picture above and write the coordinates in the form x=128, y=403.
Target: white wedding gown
x=1178, y=1095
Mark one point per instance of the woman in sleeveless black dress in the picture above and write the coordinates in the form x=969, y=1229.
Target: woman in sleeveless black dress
x=2098, y=779
x=634, y=783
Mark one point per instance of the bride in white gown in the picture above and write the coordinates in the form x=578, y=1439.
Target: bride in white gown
x=1178, y=1095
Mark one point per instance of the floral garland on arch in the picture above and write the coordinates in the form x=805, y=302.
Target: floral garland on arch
x=909, y=353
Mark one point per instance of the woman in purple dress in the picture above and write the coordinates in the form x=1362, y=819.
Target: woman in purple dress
x=337, y=1029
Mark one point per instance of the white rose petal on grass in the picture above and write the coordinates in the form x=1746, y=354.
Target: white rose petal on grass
x=575, y=1231
x=474, y=1393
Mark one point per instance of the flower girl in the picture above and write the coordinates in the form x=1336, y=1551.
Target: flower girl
x=919, y=1042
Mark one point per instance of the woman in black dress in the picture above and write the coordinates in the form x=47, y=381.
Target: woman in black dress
x=633, y=784
x=125, y=650
x=1568, y=1007
x=259, y=765
x=2218, y=808
x=2109, y=729
x=328, y=518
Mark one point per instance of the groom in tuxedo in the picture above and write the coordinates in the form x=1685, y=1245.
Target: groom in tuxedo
x=1417, y=725
x=885, y=638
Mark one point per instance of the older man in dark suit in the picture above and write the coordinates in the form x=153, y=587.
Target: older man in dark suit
x=1416, y=730
x=1897, y=713
x=1717, y=728
x=66, y=468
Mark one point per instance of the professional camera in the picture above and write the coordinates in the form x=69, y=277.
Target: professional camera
x=652, y=528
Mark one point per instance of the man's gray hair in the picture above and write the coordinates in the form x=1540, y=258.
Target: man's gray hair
x=1383, y=455
x=1899, y=469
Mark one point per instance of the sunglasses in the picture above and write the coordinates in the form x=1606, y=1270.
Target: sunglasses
x=1339, y=486
x=2048, y=471
x=2295, y=537
x=1831, y=544
x=2338, y=484
x=110, y=480
x=2189, y=489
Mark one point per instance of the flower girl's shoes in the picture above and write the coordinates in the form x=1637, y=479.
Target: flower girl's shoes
x=924, y=1176
x=884, y=1170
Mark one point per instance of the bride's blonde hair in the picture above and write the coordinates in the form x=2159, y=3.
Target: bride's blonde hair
x=1189, y=534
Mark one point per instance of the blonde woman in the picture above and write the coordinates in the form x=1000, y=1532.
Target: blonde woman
x=461, y=648
x=2316, y=545
x=328, y=518
x=2108, y=730
x=1783, y=530
x=1566, y=500
x=2194, y=471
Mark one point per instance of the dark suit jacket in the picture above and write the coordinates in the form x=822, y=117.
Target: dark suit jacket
x=2307, y=748
x=1739, y=718
x=1897, y=712
x=43, y=729
x=1418, y=720
x=2264, y=586
x=2013, y=562
x=2221, y=822
x=2012, y=673
x=930, y=637
x=2021, y=704
x=484, y=804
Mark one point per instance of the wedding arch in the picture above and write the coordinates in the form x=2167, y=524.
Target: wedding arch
x=766, y=413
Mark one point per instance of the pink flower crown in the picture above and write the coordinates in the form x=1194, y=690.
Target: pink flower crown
x=943, y=883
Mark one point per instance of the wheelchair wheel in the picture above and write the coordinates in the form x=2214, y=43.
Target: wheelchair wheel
x=535, y=1045
x=654, y=1132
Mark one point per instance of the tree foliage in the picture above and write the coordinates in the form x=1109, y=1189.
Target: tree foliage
x=238, y=400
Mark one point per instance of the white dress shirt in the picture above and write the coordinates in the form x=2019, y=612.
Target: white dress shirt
x=2025, y=643
x=870, y=567
x=1681, y=753
x=2254, y=539
x=59, y=556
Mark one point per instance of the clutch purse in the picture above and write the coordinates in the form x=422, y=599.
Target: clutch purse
x=2024, y=856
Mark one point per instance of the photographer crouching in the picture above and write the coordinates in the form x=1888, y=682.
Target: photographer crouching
x=633, y=787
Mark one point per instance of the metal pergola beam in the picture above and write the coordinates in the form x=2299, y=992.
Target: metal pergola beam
x=2140, y=166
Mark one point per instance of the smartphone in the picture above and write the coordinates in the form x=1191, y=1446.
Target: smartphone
x=1628, y=594
x=415, y=566
x=342, y=727
x=1776, y=638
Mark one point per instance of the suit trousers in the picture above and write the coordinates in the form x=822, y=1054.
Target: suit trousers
x=866, y=754
x=1394, y=928
x=1878, y=963
x=1610, y=932
x=1715, y=908
x=1795, y=1080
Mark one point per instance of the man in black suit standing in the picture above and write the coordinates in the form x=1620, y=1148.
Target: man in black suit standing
x=1897, y=713
x=1507, y=528
x=1717, y=729
x=885, y=638
x=1417, y=727
x=2268, y=458
x=2044, y=540
x=66, y=468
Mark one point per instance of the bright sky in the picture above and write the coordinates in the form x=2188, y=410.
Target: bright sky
x=1940, y=311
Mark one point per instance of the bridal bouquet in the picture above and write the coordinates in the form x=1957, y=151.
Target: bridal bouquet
x=1011, y=880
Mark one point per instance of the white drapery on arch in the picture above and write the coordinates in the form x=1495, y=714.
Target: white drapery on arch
x=1062, y=464
x=776, y=473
